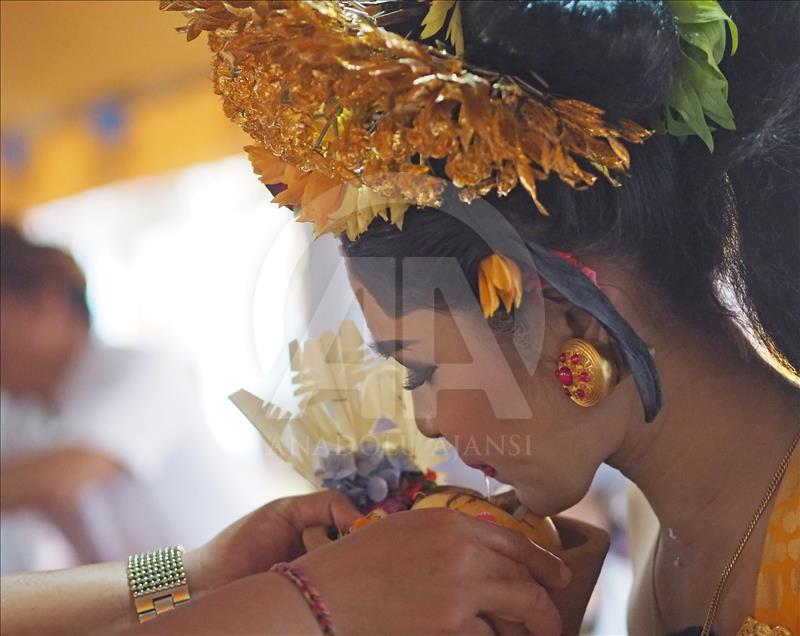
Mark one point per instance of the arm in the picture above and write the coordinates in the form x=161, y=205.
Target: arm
x=94, y=599
x=52, y=482
x=225, y=581
x=86, y=600
x=54, y=479
x=259, y=604
x=463, y=571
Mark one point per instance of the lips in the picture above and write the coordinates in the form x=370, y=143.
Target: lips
x=487, y=470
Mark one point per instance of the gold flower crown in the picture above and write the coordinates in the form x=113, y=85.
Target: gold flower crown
x=338, y=101
x=349, y=117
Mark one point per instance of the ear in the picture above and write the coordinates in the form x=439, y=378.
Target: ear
x=576, y=287
x=578, y=323
x=566, y=320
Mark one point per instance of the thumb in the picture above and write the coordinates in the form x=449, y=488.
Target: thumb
x=329, y=507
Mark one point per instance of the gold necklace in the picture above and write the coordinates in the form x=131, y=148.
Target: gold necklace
x=714, y=606
x=773, y=486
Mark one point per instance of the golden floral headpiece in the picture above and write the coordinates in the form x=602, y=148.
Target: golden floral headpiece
x=349, y=118
x=333, y=100
x=358, y=122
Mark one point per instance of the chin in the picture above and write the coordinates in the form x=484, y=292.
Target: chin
x=544, y=501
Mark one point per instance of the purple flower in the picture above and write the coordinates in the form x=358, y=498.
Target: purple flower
x=390, y=476
x=354, y=487
x=367, y=476
x=368, y=458
x=384, y=424
x=394, y=465
x=333, y=464
x=377, y=489
x=401, y=462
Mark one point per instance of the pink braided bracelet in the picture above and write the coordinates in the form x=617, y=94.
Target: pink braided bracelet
x=309, y=592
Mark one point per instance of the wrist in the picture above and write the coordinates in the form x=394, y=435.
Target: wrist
x=200, y=573
x=315, y=606
x=296, y=611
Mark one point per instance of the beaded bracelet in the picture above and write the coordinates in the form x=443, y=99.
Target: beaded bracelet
x=309, y=592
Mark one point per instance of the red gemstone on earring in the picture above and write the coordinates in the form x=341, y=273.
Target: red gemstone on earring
x=564, y=376
x=575, y=359
x=580, y=393
x=584, y=377
x=562, y=357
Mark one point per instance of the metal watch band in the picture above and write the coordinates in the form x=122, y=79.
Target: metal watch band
x=157, y=581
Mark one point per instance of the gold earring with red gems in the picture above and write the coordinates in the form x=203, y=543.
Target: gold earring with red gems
x=586, y=371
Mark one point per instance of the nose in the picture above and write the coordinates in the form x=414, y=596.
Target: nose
x=428, y=428
x=425, y=414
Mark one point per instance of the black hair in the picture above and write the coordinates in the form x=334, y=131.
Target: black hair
x=27, y=268
x=684, y=217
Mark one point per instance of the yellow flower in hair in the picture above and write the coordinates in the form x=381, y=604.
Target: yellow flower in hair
x=313, y=196
x=499, y=279
x=332, y=206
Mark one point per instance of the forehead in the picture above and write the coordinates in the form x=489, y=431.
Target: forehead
x=422, y=334
x=386, y=325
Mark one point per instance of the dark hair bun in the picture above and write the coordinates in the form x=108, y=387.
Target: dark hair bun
x=619, y=55
x=690, y=221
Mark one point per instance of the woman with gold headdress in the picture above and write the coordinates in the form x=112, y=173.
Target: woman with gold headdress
x=576, y=224
x=502, y=159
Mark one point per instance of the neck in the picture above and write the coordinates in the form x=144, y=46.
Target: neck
x=715, y=447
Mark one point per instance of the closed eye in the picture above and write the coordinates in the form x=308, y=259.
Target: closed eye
x=378, y=350
x=391, y=348
x=415, y=378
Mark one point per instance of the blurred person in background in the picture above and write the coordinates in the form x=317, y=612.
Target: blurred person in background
x=104, y=450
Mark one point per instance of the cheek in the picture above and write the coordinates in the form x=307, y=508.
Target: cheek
x=551, y=408
x=468, y=419
x=463, y=414
x=511, y=402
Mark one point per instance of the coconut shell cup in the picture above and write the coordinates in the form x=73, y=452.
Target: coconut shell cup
x=584, y=548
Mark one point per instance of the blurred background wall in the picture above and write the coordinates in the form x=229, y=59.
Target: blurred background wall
x=97, y=92
x=115, y=148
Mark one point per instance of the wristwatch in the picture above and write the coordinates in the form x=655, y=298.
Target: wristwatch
x=157, y=581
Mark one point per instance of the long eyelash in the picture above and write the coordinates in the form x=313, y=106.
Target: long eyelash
x=415, y=378
x=374, y=347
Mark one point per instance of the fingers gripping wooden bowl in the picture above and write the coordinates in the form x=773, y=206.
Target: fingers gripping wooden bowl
x=583, y=549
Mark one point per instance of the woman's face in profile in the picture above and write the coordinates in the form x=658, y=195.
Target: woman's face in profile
x=473, y=389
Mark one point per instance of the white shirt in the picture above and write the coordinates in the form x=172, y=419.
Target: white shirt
x=143, y=412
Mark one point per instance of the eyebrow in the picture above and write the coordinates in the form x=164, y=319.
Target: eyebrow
x=389, y=348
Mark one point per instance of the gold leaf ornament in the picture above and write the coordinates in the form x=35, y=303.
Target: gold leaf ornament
x=325, y=90
x=752, y=627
